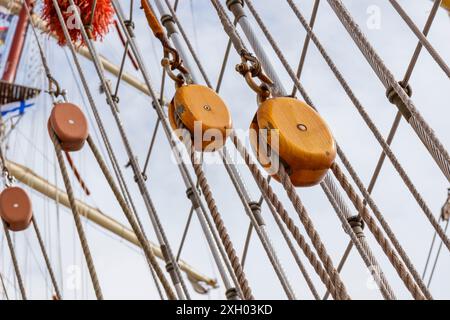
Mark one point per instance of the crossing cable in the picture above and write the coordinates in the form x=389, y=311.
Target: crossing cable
x=256, y=221
x=422, y=38
x=398, y=116
x=128, y=214
x=182, y=166
x=171, y=264
x=312, y=233
x=405, y=105
x=437, y=258
x=387, y=150
x=301, y=63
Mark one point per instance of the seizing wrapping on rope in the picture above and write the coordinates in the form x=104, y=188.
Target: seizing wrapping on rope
x=97, y=24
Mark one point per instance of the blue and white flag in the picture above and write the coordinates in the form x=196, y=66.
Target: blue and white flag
x=16, y=108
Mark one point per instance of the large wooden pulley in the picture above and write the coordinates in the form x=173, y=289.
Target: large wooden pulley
x=15, y=208
x=203, y=113
x=300, y=138
x=70, y=126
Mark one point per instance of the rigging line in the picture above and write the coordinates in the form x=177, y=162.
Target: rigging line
x=178, y=280
x=437, y=257
x=205, y=220
x=410, y=112
x=245, y=192
x=236, y=8
x=422, y=38
x=76, y=216
x=408, y=183
x=210, y=201
x=242, y=192
x=253, y=211
x=398, y=116
x=4, y=291
x=246, y=244
x=186, y=228
x=301, y=63
x=186, y=39
x=376, y=231
x=119, y=76
x=177, y=152
x=239, y=46
x=341, y=264
x=271, y=197
x=155, y=130
x=354, y=228
x=14, y=261
x=46, y=258
x=130, y=217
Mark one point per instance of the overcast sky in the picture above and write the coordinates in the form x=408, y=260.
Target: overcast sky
x=121, y=267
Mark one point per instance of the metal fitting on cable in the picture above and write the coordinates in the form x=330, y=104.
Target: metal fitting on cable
x=130, y=27
x=231, y=294
x=393, y=98
x=236, y=7
x=256, y=210
x=169, y=265
x=357, y=225
x=169, y=23
x=190, y=195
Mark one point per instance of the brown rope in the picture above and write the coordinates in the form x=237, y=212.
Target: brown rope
x=76, y=216
x=220, y=226
x=272, y=198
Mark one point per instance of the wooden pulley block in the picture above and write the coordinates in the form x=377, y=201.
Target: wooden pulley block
x=300, y=138
x=70, y=126
x=203, y=113
x=15, y=208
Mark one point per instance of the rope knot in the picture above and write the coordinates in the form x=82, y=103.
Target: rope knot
x=357, y=225
x=394, y=98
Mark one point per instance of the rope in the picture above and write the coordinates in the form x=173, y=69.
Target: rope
x=14, y=261
x=135, y=166
x=76, y=216
x=153, y=264
x=420, y=126
x=378, y=136
x=354, y=228
x=390, y=253
x=271, y=197
x=220, y=226
x=46, y=258
x=422, y=39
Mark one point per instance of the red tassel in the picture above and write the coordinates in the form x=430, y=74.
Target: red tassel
x=103, y=17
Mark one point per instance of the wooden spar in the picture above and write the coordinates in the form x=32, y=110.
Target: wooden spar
x=32, y=180
x=15, y=7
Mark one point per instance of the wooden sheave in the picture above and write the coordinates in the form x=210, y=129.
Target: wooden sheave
x=298, y=135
